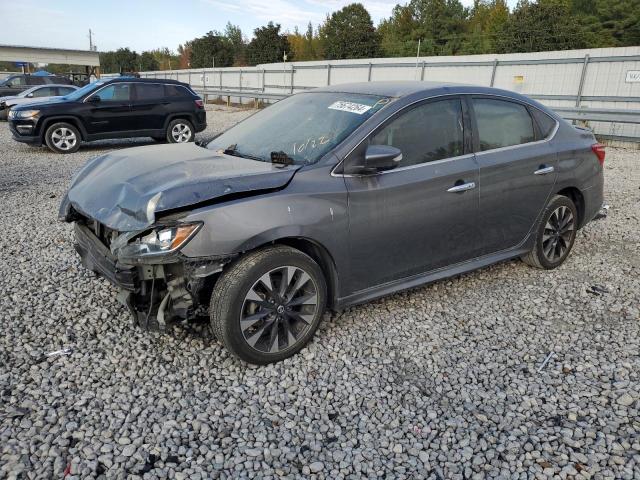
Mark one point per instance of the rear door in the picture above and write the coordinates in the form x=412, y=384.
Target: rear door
x=422, y=215
x=149, y=106
x=518, y=170
x=113, y=112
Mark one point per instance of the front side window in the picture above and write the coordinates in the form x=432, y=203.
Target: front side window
x=16, y=81
x=428, y=132
x=502, y=123
x=117, y=92
x=151, y=91
x=301, y=128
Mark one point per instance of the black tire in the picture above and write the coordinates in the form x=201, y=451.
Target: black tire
x=62, y=137
x=180, y=130
x=231, y=304
x=553, y=245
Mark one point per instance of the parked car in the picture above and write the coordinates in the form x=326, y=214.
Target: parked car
x=117, y=108
x=15, y=84
x=33, y=94
x=331, y=198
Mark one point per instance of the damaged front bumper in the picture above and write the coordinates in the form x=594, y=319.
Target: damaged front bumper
x=154, y=293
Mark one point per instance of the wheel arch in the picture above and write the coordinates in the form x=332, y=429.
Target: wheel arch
x=47, y=122
x=177, y=116
x=577, y=198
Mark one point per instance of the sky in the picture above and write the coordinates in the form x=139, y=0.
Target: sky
x=149, y=24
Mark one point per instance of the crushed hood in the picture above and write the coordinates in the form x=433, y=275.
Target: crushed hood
x=125, y=189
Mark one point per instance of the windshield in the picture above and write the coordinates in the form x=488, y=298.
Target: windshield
x=27, y=92
x=81, y=92
x=301, y=128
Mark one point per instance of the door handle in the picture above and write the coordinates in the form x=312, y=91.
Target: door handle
x=462, y=188
x=543, y=170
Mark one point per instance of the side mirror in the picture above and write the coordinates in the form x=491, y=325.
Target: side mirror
x=94, y=99
x=379, y=158
x=30, y=95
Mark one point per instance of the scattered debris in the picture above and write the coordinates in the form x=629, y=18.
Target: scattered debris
x=604, y=211
x=546, y=360
x=597, y=290
x=64, y=351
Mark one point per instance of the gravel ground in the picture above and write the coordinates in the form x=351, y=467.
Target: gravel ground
x=444, y=381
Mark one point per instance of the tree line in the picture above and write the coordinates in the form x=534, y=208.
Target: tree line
x=436, y=27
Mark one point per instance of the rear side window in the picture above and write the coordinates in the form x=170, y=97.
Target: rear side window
x=65, y=90
x=502, y=123
x=428, y=132
x=15, y=81
x=150, y=91
x=45, y=92
x=176, y=91
x=31, y=80
x=544, y=121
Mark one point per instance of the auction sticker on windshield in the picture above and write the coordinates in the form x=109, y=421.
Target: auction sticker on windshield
x=352, y=107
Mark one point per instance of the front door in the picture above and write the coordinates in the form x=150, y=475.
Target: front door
x=113, y=112
x=422, y=215
x=517, y=171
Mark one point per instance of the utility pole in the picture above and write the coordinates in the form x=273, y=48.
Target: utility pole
x=417, y=56
x=90, y=40
x=284, y=70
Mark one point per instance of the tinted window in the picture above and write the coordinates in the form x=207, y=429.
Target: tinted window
x=546, y=124
x=44, y=92
x=31, y=80
x=118, y=92
x=426, y=133
x=176, y=91
x=502, y=123
x=65, y=90
x=15, y=81
x=151, y=91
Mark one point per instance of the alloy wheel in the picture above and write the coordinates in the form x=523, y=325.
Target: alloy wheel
x=64, y=138
x=278, y=310
x=181, y=133
x=558, y=233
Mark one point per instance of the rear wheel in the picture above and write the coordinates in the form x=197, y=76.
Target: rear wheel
x=180, y=131
x=268, y=305
x=556, y=234
x=62, y=138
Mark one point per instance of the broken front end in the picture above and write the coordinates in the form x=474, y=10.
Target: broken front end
x=156, y=282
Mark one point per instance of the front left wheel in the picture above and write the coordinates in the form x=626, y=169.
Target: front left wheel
x=62, y=137
x=267, y=306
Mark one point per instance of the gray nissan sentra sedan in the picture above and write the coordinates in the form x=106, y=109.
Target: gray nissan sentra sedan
x=330, y=198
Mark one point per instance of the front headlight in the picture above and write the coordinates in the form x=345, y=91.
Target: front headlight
x=23, y=114
x=160, y=241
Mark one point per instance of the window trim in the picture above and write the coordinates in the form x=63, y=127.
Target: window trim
x=467, y=146
x=140, y=84
x=465, y=97
x=84, y=100
x=527, y=106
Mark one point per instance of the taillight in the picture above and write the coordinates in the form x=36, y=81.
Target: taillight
x=199, y=103
x=598, y=149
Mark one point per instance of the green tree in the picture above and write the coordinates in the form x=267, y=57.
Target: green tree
x=211, y=46
x=148, y=62
x=399, y=34
x=486, y=19
x=305, y=46
x=268, y=45
x=121, y=60
x=238, y=45
x=349, y=33
x=541, y=26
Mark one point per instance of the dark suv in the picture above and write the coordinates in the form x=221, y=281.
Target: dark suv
x=15, y=84
x=118, y=108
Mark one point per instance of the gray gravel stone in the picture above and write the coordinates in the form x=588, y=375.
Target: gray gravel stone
x=438, y=382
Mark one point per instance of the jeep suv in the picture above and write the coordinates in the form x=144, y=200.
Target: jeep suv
x=117, y=108
x=15, y=84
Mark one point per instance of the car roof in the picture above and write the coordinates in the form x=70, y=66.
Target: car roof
x=406, y=88
x=144, y=80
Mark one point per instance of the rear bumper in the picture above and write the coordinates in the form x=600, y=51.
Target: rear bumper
x=593, y=200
